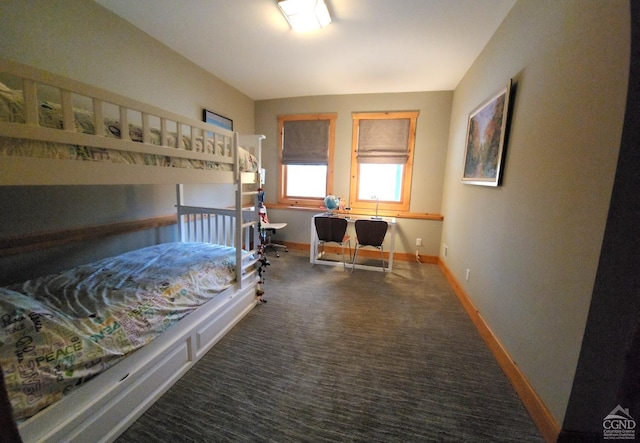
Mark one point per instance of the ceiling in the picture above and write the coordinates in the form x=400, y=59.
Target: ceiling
x=372, y=46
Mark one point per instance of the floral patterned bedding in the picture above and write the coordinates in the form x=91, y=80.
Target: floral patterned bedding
x=59, y=331
x=50, y=116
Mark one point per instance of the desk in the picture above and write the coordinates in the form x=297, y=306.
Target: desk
x=315, y=258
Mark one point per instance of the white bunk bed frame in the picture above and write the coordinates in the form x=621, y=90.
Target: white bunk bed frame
x=104, y=407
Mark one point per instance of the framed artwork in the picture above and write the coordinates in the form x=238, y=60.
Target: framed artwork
x=217, y=119
x=486, y=135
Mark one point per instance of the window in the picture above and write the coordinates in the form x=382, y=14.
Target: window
x=382, y=160
x=306, y=146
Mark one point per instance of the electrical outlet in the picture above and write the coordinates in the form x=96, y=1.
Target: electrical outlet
x=445, y=250
x=468, y=274
x=418, y=242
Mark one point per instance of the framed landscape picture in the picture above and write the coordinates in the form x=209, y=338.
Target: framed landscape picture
x=217, y=119
x=485, y=144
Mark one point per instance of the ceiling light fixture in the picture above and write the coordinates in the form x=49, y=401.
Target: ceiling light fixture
x=305, y=15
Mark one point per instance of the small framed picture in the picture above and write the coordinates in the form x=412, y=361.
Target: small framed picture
x=217, y=119
x=486, y=135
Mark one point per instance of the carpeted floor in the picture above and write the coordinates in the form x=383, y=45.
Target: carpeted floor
x=341, y=357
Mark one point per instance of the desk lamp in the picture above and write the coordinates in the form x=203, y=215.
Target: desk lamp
x=373, y=197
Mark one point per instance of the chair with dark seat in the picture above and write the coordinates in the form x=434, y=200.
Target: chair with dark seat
x=370, y=233
x=333, y=230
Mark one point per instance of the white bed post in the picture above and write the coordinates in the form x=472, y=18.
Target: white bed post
x=254, y=142
x=238, y=210
x=30, y=92
x=257, y=151
x=179, y=202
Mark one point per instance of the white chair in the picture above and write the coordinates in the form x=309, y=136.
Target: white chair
x=267, y=229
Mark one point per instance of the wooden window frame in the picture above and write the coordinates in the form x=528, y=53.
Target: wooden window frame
x=282, y=182
x=405, y=200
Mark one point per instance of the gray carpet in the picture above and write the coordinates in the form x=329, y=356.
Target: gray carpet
x=341, y=357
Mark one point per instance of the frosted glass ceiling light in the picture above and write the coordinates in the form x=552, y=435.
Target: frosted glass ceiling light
x=305, y=15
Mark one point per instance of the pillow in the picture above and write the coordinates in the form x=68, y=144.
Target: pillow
x=11, y=105
x=5, y=88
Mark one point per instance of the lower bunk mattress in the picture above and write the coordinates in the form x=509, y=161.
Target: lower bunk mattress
x=59, y=331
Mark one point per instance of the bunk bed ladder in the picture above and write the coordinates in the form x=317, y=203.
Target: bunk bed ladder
x=247, y=225
x=247, y=234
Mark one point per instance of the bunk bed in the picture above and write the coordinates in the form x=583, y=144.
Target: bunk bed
x=85, y=352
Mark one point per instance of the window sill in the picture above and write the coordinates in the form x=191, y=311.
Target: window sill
x=402, y=214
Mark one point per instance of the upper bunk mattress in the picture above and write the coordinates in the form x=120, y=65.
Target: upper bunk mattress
x=59, y=331
x=50, y=116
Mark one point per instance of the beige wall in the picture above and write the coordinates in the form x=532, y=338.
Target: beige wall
x=429, y=158
x=533, y=245
x=86, y=42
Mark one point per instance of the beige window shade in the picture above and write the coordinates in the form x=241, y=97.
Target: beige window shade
x=306, y=142
x=383, y=140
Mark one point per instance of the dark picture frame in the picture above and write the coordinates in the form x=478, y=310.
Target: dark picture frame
x=217, y=119
x=486, y=136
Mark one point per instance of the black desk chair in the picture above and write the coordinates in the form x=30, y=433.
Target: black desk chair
x=370, y=233
x=333, y=230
